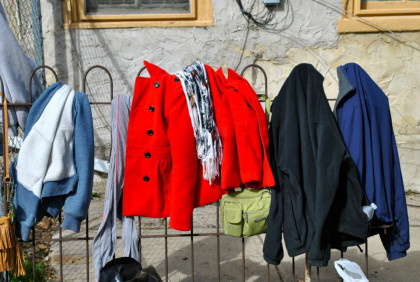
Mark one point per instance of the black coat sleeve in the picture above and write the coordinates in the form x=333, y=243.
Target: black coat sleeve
x=273, y=249
x=328, y=155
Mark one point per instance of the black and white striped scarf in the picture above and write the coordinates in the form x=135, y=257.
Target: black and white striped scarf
x=207, y=139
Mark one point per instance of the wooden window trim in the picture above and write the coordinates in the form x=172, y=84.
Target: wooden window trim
x=377, y=17
x=74, y=16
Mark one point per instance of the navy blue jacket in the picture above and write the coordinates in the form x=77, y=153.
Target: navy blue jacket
x=363, y=114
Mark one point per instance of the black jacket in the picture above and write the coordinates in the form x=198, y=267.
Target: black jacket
x=317, y=200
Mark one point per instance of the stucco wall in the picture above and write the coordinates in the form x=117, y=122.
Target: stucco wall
x=306, y=32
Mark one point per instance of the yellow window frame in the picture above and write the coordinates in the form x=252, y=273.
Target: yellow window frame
x=358, y=16
x=75, y=16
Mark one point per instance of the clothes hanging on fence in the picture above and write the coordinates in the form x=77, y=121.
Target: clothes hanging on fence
x=251, y=131
x=15, y=70
x=105, y=241
x=229, y=173
x=243, y=130
x=55, y=163
x=363, y=114
x=317, y=202
x=163, y=176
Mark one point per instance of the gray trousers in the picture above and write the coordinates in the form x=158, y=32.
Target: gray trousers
x=105, y=241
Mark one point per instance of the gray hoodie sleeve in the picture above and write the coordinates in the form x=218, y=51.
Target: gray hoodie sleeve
x=15, y=70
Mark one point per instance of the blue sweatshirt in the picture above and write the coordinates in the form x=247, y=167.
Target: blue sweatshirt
x=363, y=114
x=74, y=192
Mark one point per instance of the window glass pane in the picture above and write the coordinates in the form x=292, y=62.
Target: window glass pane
x=122, y=7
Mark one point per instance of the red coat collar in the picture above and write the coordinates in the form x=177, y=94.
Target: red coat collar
x=154, y=70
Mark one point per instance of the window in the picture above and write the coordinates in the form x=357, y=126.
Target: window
x=136, y=13
x=130, y=7
x=379, y=15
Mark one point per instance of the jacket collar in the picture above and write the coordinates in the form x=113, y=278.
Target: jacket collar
x=154, y=70
x=221, y=75
x=344, y=88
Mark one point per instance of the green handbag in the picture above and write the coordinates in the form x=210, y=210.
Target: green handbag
x=245, y=213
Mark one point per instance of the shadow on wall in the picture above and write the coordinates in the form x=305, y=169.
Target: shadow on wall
x=74, y=52
x=83, y=49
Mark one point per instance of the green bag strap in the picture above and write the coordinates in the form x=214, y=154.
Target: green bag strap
x=267, y=108
x=267, y=104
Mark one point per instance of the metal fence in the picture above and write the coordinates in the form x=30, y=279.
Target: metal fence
x=70, y=253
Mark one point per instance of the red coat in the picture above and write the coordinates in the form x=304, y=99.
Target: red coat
x=163, y=176
x=230, y=174
x=251, y=154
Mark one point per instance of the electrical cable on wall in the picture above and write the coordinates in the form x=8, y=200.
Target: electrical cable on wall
x=265, y=17
x=257, y=19
x=272, y=26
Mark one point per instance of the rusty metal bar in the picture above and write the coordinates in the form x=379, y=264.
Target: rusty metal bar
x=192, y=248
x=32, y=75
x=99, y=103
x=4, y=186
x=139, y=235
x=17, y=104
x=308, y=269
x=110, y=78
x=87, y=238
x=366, y=259
x=33, y=252
x=142, y=236
x=243, y=259
x=265, y=97
x=87, y=247
x=265, y=77
x=341, y=256
x=140, y=71
x=218, y=239
x=166, y=250
x=60, y=244
x=293, y=269
x=1, y=86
